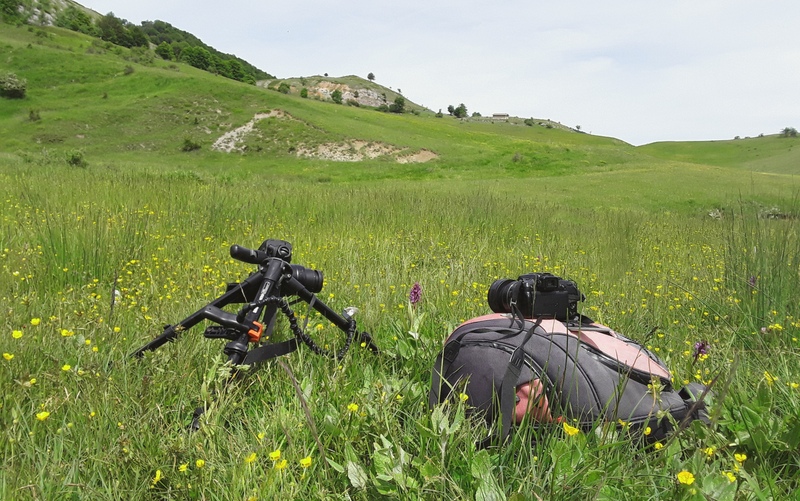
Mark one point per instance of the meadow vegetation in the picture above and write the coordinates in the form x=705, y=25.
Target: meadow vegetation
x=110, y=230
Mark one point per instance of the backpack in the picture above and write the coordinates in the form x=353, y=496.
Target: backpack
x=574, y=371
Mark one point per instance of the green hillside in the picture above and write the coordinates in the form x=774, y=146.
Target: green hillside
x=99, y=104
x=774, y=153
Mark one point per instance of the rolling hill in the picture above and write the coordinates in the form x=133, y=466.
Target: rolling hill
x=90, y=102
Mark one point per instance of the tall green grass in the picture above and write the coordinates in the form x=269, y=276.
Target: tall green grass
x=668, y=279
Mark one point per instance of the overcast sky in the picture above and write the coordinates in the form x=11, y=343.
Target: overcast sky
x=640, y=71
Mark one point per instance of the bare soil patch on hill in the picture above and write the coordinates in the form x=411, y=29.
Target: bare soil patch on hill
x=234, y=141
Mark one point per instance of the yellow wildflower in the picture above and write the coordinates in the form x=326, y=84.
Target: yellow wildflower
x=740, y=458
x=305, y=462
x=731, y=477
x=8, y=356
x=157, y=478
x=770, y=378
x=41, y=416
x=352, y=407
x=35, y=321
x=200, y=463
x=658, y=445
x=685, y=477
x=252, y=457
x=66, y=367
x=182, y=468
x=647, y=431
x=279, y=465
x=570, y=430
x=16, y=334
x=275, y=455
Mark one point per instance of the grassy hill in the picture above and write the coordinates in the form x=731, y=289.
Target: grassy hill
x=775, y=153
x=107, y=105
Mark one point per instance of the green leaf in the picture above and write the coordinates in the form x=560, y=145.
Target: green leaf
x=488, y=490
x=718, y=487
x=336, y=466
x=357, y=475
x=481, y=465
x=429, y=470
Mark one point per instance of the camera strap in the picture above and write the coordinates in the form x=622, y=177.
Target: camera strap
x=508, y=388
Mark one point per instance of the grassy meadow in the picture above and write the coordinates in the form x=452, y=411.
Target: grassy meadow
x=672, y=244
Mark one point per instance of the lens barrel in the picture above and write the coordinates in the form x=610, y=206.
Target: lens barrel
x=500, y=295
x=311, y=279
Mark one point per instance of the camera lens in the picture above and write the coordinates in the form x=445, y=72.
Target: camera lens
x=500, y=294
x=311, y=279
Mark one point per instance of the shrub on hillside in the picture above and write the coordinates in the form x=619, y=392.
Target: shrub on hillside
x=190, y=145
x=142, y=56
x=12, y=11
x=399, y=105
x=284, y=88
x=75, y=19
x=75, y=158
x=12, y=87
x=303, y=92
x=336, y=96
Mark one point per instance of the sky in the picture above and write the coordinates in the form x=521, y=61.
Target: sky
x=639, y=71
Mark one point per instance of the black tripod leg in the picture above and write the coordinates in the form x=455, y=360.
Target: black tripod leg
x=233, y=295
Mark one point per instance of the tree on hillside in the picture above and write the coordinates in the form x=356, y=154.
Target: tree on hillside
x=789, y=132
x=75, y=19
x=137, y=37
x=459, y=112
x=336, y=96
x=197, y=57
x=112, y=30
x=371, y=77
x=234, y=69
x=164, y=51
x=399, y=105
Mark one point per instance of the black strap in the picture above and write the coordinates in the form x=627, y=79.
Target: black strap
x=508, y=388
x=270, y=350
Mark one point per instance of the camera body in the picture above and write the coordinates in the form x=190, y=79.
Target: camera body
x=536, y=295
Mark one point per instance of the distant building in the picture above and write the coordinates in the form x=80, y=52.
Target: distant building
x=500, y=116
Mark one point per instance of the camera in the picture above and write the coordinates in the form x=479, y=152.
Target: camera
x=279, y=249
x=536, y=295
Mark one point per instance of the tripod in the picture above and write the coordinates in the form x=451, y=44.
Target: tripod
x=263, y=293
